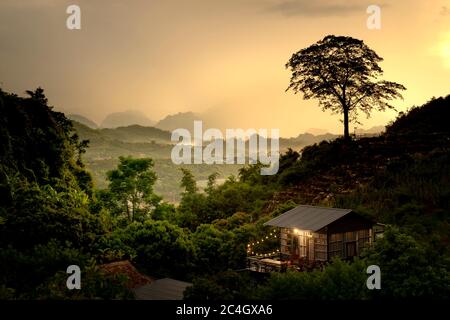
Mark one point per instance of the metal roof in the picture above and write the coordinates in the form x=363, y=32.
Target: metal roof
x=162, y=289
x=309, y=218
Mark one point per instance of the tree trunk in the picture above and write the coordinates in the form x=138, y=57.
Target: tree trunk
x=346, y=131
x=128, y=210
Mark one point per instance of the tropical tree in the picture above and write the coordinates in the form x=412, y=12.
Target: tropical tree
x=132, y=185
x=188, y=182
x=342, y=73
x=212, y=179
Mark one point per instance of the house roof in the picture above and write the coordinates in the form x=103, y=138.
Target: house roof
x=309, y=218
x=162, y=289
x=135, y=278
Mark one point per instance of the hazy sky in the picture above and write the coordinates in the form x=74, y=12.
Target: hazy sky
x=224, y=58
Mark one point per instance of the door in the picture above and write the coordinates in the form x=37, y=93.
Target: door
x=350, y=249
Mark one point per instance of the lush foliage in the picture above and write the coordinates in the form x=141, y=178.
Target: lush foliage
x=131, y=186
x=51, y=215
x=45, y=213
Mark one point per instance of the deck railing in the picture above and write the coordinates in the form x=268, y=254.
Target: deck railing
x=266, y=264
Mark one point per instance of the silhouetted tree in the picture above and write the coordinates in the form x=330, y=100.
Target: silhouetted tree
x=342, y=73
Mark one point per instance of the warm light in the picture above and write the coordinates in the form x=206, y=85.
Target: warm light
x=442, y=49
x=296, y=231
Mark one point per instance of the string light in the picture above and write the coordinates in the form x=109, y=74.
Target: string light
x=271, y=235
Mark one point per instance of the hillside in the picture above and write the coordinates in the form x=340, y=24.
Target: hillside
x=107, y=145
x=407, y=168
x=400, y=179
x=431, y=118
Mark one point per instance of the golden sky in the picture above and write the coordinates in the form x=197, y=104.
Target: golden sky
x=222, y=58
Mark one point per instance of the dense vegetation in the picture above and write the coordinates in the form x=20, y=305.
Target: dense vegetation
x=52, y=216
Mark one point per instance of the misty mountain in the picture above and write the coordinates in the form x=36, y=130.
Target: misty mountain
x=373, y=130
x=83, y=120
x=316, y=131
x=126, y=118
x=179, y=120
x=131, y=134
x=304, y=139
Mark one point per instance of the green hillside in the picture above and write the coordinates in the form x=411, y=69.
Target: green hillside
x=107, y=145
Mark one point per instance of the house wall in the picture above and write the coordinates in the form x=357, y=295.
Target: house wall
x=349, y=236
x=345, y=237
x=304, y=244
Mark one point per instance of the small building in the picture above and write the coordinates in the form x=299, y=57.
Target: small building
x=310, y=234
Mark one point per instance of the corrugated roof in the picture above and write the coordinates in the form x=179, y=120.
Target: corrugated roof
x=309, y=218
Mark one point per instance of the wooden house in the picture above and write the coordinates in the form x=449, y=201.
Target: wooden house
x=317, y=234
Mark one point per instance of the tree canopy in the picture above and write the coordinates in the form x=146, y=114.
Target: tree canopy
x=132, y=185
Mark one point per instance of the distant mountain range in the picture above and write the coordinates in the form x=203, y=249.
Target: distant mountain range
x=155, y=142
x=116, y=120
x=126, y=118
x=179, y=120
x=373, y=130
x=186, y=120
x=130, y=134
x=83, y=120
